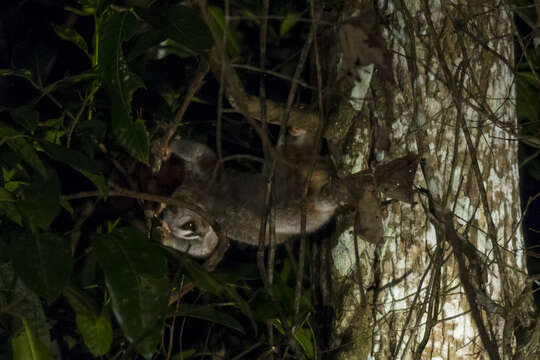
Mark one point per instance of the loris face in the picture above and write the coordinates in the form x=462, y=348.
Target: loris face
x=188, y=232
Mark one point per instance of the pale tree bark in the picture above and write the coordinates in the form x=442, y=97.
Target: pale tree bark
x=449, y=281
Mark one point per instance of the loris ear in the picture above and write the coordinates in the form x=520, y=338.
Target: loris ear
x=200, y=160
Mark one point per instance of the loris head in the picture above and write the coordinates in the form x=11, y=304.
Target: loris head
x=188, y=232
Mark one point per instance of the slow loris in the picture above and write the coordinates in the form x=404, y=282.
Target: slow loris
x=235, y=200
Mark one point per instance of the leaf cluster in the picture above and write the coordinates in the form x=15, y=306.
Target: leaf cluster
x=85, y=87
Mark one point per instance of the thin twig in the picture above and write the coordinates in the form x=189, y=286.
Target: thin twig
x=196, y=83
x=273, y=73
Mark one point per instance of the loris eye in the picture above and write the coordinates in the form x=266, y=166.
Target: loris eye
x=189, y=226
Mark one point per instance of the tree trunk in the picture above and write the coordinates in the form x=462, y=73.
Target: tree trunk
x=449, y=281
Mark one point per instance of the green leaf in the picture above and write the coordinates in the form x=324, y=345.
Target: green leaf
x=242, y=305
x=97, y=333
x=26, y=116
x=81, y=303
x=136, y=276
x=44, y=262
x=263, y=308
x=209, y=313
x=11, y=288
x=285, y=296
x=76, y=11
x=96, y=329
x=72, y=36
x=54, y=136
x=202, y=278
x=286, y=271
x=6, y=72
x=89, y=7
x=303, y=336
x=180, y=23
x=67, y=206
x=250, y=16
x=40, y=202
x=8, y=174
x=88, y=272
x=11, y=186
x=80, y=12
x=79, y=162
x=185, y=354
x=527, y=104
x=27, y=347
x=290, y=20
x=232, y=39
x=6, y=196
x=91, y=134
x=121, y=83
x=54, y=129
x=11, y=211
x=71, y=342
x=22, y=148
x=27, y=74
x=528, y=77
x=55, y=123
x=132, y=135
x=217, y=283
